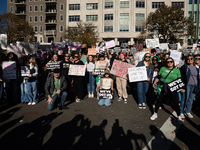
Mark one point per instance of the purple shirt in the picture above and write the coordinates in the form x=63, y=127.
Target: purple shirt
x=193, y=76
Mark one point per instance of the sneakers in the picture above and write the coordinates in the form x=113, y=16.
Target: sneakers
x=29, y=103
x=182, y=115
x=120, y=98
x=154, y=116
x=33, y=103
x=89, y=95
x=78, y=100
x=180, y=121
x=92, y=95
x=143, y=105
x=125, y=101
x=140, y=106
x=189, y=115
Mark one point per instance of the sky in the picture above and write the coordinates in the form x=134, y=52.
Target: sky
x=3, y=6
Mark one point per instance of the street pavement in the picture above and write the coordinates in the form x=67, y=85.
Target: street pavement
x=88, y=126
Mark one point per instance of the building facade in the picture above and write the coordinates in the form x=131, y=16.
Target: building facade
x=119, y=20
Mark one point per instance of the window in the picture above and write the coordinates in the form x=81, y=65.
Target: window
x=108, y=17
x=140, y=4
x=40, y=28
x=61, y=28
x=36, y=8
x=178, y=3
x=108, y=28
x=11, y=9
x=138, y=28
x=74, y=6
x=36, y=18
x=36, y=29
x=139, y=16
x=124, y=22
x=30, y=8
x=11, y=1
x=74, y=18
x=124, y=4
x=30, y=19
x=61, y=7
x=91, y=6
x=108, y=4
x=61, y=18
x=91, y=17
x=157, y=4
x=41, y=8
x=40, y=39
x=41, y=18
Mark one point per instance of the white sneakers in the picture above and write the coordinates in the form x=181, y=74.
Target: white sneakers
x=125, y=101
x=33, y=103
x=182, y=115
x=154, y=116
x=120, y=99
x=180, y=121
x=189, y=115
x=90, y=95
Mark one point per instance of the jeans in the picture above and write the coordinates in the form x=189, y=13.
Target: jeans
x=91, y=84
x=187, y=99
x=1, y=91
x=142, y=88
x=63, y=97
x=106, y=102
x=24, y=92
x=12, y=90
x=32, y=91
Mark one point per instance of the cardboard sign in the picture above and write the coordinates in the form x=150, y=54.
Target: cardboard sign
x=139, y=55
x=176, y=85
x=14, y=49
x=133, y=50
x=110, y=44
x=152, y=42
x=25, y=71
x=105, y=94
x=53, y=65
x=9, y=70
x=99, y=72
x=74, y=46
x=138, y=46
x=176, y=55
x=173, y=46
x=120, y=69
x=3, y=41
x=164, y=46
x=137, y=74
x=124, y=45
x=77, y=70
x=117, y=49
x=92, y=51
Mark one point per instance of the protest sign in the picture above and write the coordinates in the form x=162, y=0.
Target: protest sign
x=38, y=54
x=120, y=68
x=124, y=50
x=138, y=46
x=133, y=50
x=186, y=51
x=9, y=70
x=3, y=41
x=74, y=46
x=176, y=55
x=99, y=72
x=105, y=94
x=101, y=46
x=140, y=54
x=178, y=46
x=137, y=74
x=152, y=42
x=60, y=52
x=77, y=70
x=173, y=46
x=110, y=44
x=117, y=49
x=53, y=65
x=28, y=48
x=158, y=51
x=176, y=85
x=14, y=49
x=92, y=51
x=45, y=47
x=164, y=46
x=25, y=71
x=124, y=45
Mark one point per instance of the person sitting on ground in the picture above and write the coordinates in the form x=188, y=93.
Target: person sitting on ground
x=55, y=87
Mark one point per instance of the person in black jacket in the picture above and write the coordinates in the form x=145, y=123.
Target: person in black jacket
x=55, y=87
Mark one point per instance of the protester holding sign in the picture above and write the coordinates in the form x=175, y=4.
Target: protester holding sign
x=32, y=90
x=143, y=86
x=121, y=82
x=130, y=59
x=54, y=59
x=166, y=75
x=190, y=76
x=107, y=85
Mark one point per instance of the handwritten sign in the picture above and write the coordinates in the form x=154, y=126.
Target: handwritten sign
x=138, y=46
x=117, y=49
x=133, y=50
x=74, y=46
x=158, y=50
x=110, y=44
x=92, y=51
x=124, y=50
x=105, y=94
x=120, y=69
x=176, y=85
x=173, y=46
x=176, y=55
x=53, y=65
x=77, y=70
x=99, y=72
x=138, y=56
x=25, y=71
x=9, y=70
x=164, y=46
x=124, y=45
x=186, y=51
x=152, y=42
x=137, y=74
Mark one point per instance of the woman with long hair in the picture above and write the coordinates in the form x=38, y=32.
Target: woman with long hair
x=143, y=86
x=32, y=81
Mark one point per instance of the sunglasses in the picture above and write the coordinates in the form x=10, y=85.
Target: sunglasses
x=147, y=56
x=66, y=56
x=155, y=59
x=190, y=59
x=76, y=56
x=197, y=58
x=169, y=62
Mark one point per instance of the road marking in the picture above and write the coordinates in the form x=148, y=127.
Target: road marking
x=165, y=136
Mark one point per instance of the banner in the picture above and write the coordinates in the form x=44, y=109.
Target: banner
x=25, y=71
x=138, y=56
x=137, y=74
x=124, y=45
x=176, y=85
x=9, y=70
x=176, y=55
x=110, y=44
x=105, y=94
x=117, y=49
x=152, y=43
x=14, y=49
x=92, y=51
x=74, y=46
x=120, y=69
x=53, y=65
x=173, y=46
x=27, y=48
x=77, y=70
x=164, y=46
x=138, y=46
x=3, y=41
x=99, y=72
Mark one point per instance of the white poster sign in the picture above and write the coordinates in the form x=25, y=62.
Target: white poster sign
x=137, y=74
x=3, y=41
x=176, y=55
x=164, y=46
x=110, y=44
x=77, y=70
x=152, y=42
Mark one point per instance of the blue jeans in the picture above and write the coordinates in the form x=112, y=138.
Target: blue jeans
x=63, y=97
x=187, y=99
x=106, y=102
x=90, y=85
x=24, y=92
x=142, y=88
x=32, y=91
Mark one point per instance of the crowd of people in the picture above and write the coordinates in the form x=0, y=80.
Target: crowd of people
x=57, y=84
